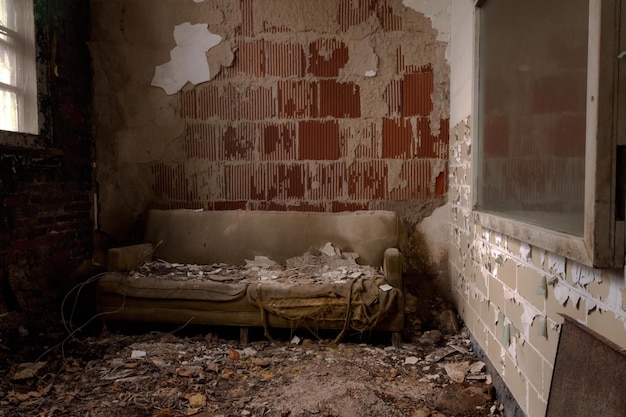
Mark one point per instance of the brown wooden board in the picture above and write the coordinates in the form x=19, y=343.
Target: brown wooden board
x=589, y=375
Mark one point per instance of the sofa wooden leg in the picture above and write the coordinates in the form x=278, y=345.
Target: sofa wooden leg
x=396, y=339
x=243, y=335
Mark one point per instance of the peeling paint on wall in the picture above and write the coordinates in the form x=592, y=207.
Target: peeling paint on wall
x=188, y=59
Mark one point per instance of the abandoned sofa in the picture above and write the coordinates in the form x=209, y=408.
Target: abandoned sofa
x=239, y=271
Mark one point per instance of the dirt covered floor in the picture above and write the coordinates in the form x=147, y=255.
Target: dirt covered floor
x=200, y=371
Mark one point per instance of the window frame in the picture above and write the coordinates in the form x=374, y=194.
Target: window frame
x=29, y=126
x=602, y=244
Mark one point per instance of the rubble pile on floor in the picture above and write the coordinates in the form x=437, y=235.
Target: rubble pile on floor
x=160, y=374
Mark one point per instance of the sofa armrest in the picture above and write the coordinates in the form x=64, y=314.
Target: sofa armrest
x=392, y=266
x=127, y=258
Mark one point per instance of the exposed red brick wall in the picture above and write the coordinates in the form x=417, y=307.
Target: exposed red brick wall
x=289, y=127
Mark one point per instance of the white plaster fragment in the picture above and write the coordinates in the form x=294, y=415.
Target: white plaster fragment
x=574, y=298
x=584, y=275
x=561, y=293
x=188, y=59
x=614, y=299
x=528, y=316
x=496, y=316
x=370, y=73
x=513, y=349
x=556, y=263
x=590, y=304
x=509, y=295
x=169, y=77
x=524, y=251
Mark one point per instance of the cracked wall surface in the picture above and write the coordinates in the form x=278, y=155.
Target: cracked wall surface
x=509, y=293
x=317, y=106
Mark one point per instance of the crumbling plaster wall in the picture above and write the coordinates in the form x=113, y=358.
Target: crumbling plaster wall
x=509, y=293
x=311, y=105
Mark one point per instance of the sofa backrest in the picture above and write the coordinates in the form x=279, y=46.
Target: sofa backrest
x=207, y=237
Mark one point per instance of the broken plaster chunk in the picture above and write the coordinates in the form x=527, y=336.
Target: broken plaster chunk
x=370, y=73
x=137, y=354
x=411, y=360
x=260, y=261
x=457, y=371
x=385, y=287
x=329, y=250
x=477, y=367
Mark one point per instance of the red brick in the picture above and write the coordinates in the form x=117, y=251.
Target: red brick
x=188, y=104
x=245, y=182
x=218, y=102
x=285, y=60
x=441, y=185
x=299, y=206
x=239, y=142
x=297, y=99
x=227, y=205
x=278, y=141
x=257, y=104
x=203, y=141
x=414, y=182
x=250, y=58
x=416, y=91
x=339, y=100
x=398, y=138
x=339, y=206
x=348, y=15
x=327, y=57
x=368, y=137
x=393, y=98
x=318, y=140
x=367, y=180
x=428, y=145
x=285, y=181
x=326, y=180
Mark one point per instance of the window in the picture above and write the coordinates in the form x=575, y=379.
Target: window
x=18, y=88
x=547, y=131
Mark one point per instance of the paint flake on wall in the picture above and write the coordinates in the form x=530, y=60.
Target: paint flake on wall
x=188, y=59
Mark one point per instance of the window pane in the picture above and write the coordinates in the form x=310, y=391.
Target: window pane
x=7, y=14
x=532, y=95
x=8, y=111
x=8, y=65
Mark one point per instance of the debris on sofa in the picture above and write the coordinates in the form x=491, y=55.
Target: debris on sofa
x=326, y=265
